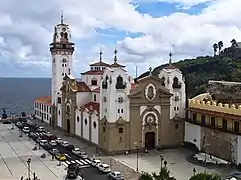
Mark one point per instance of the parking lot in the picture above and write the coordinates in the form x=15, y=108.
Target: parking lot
x=86, y=170
x=15, y=152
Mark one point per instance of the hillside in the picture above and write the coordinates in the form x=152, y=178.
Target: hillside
x=199, y=71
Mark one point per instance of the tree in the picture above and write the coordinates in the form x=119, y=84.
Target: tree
x=164, y=174
x=220, y=46
x=215, y=48
x=206, y=176
x=234, y=43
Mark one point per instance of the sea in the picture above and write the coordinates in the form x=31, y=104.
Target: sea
x=18, y=94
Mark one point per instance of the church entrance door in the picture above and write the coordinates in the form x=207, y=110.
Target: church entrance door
x=150, y=138
x=68, y=125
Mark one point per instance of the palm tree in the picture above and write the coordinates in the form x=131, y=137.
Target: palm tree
x=220, y=46
x=234, y=43
x=215, y=48
x=206, y=176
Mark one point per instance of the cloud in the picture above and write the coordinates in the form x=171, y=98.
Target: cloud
x=26, y=32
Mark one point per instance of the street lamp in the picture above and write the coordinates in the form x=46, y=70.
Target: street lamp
x=137, y=156
x=28, y=162
x=162, y=159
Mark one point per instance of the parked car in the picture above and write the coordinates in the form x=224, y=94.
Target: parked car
x=116, y=175
x=76, y=151
x=53, y=143
x=26, y=129
x=54, y=151
x=95, y=162
x=43, y=142
x=40, y=129
x=83, y=155
x=48, y=134
x=60, y=157
x=58, y=140
x=104, y=168
x=70, y=147
x=64, y=143
x=47, y=147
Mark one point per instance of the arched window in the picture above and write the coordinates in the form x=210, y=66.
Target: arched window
x=94, y=97
x=66, y=35
x=119, y=83
x=94, y=124
x=61, y=34
x=77, y=118
x=68, y=109
x=176, y=83
x=86, y=121
x=163, y=81
x=94, y=82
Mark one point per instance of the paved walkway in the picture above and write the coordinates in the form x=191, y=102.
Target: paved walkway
x=14, y=153
x=176, y=162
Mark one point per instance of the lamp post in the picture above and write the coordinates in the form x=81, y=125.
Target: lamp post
x=137, y=156
x=28, y=162
x=162, y=159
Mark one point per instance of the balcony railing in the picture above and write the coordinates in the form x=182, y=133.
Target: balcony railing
x=215, y=127
x=120, y=86
x=176, y=86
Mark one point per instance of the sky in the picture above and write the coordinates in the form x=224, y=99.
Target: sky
x=143, y=31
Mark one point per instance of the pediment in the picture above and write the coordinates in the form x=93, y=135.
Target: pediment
x=120, y=121
x=161, y=90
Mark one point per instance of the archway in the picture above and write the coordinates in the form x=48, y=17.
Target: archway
x=68, y=125
x=150, y=138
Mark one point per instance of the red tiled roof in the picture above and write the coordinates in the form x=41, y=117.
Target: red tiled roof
x=93, y=72
x=46, y=100
x=133, y=86
x=96, y=90
x=100, y=63
x=92, y=106
x=82, y=87
x=115, y=64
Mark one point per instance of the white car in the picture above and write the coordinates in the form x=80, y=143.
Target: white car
x=59, y=140
x=40, y=129
x=26, y=129
x=116, y=175
x=104, y=168
x=83, y=155
x=53, y=143
x=76, y=151
x=65, y=144
x=48, y=134
x=43, y=142
x=95, y=162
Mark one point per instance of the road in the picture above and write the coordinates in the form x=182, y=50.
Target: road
x=89, y=172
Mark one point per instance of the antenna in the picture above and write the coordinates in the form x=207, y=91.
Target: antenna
x=136, y=71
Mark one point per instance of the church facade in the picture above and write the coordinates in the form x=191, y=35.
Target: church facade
x=111, y=110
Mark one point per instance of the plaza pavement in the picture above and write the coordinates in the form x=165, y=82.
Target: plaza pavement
x=14, y=153
x=180, y=168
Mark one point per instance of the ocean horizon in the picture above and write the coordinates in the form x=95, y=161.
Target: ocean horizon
x=18, y=94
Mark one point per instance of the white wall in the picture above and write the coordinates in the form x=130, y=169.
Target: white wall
x=87, y=79
x=78, y=124
x=95, y=131
x=83, y=98
x=192, y=134
x=238, y=151
x=39, y=111
x=181, y=93
x=86, y=131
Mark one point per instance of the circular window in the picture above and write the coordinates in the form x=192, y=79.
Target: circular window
x=94, y=124
x=85, y=121
x=78, y=118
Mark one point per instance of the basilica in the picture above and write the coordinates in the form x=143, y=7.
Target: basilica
x=107, y=107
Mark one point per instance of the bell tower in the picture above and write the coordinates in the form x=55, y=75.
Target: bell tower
x=62, y=50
